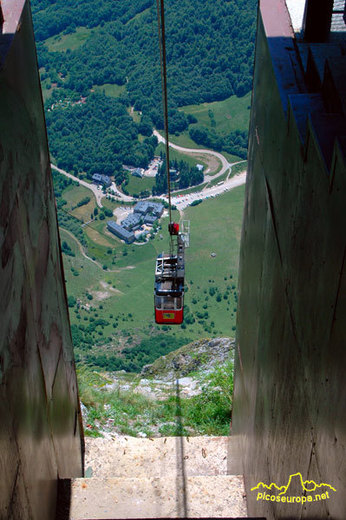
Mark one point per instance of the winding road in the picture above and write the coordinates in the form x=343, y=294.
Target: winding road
x=198, y=151
x=96, y=191
x=180, y=201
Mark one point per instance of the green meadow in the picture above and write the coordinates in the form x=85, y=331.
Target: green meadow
x=110, y=89
x=114, y=283
x=229, y=115
x=135, y=185
x=72, y=41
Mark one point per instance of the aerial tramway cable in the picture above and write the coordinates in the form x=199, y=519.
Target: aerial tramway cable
x=163, y=66
x=169, y=269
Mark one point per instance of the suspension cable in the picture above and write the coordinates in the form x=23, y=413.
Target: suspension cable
x=163, y=66
x=161, y=52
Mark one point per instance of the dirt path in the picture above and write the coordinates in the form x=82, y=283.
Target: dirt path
x=94, y=261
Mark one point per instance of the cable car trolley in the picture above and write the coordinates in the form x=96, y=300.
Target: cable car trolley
x=169, y=278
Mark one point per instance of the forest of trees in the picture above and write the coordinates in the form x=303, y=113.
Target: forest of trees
x=132, y=359
x=210, y=49
x=97, y=137
x=234, y=143
x=188, y=176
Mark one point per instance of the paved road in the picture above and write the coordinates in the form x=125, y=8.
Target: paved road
x=120, y=194
x=225, y=164
x=185, y=200
x=182, y=201
x=97, y=192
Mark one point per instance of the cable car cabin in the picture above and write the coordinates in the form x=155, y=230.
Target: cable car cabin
x=169, y=288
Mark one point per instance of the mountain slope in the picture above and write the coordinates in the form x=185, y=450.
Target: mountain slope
x=90, y=45
x=156, y=403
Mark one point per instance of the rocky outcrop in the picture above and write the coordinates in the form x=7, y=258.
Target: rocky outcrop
x=188, y=371
x=202, y=355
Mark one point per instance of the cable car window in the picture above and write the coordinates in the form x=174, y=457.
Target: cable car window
x=169, y=303
x=177, y=303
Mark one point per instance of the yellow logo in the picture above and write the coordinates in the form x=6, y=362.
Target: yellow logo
x=308, y=487
x=168, y=315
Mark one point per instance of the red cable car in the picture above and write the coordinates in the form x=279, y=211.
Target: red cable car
x=169, y=283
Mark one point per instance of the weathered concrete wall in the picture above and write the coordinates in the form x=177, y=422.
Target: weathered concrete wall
x=40, y=436
x=290, y=392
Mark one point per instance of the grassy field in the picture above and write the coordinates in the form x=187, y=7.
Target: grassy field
x=119, y=288
x=110, y=204
x=62, y=42
x=110, y=89
x=222, y=116
x=239, y=168
x=136, y=185
x=231, y=158
x=214, y=182
x=184, y=140
x=229, y=115
x=74, y=196
x=127, y=412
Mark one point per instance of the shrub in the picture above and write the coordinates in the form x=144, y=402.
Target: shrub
x=71, y=301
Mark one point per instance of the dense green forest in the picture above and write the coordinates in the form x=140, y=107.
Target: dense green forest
x=97, y=136
x=130, y=359
x=209, y=48
x=187, y=176
x=235, y=142
x=209, y=52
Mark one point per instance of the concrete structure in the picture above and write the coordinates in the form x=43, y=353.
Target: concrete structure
x=132, y=222
x=120, y=232
x=290, y=395
x=40, y=425
x=137, y=173
x=101, y=179
x=167, y=477
x=150, y=219
x=148, y=207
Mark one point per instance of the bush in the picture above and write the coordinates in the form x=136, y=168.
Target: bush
x=71, y=301
x=196, y=202
x=83, y=202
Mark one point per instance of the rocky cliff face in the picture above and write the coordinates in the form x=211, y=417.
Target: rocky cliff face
x=202, y=355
